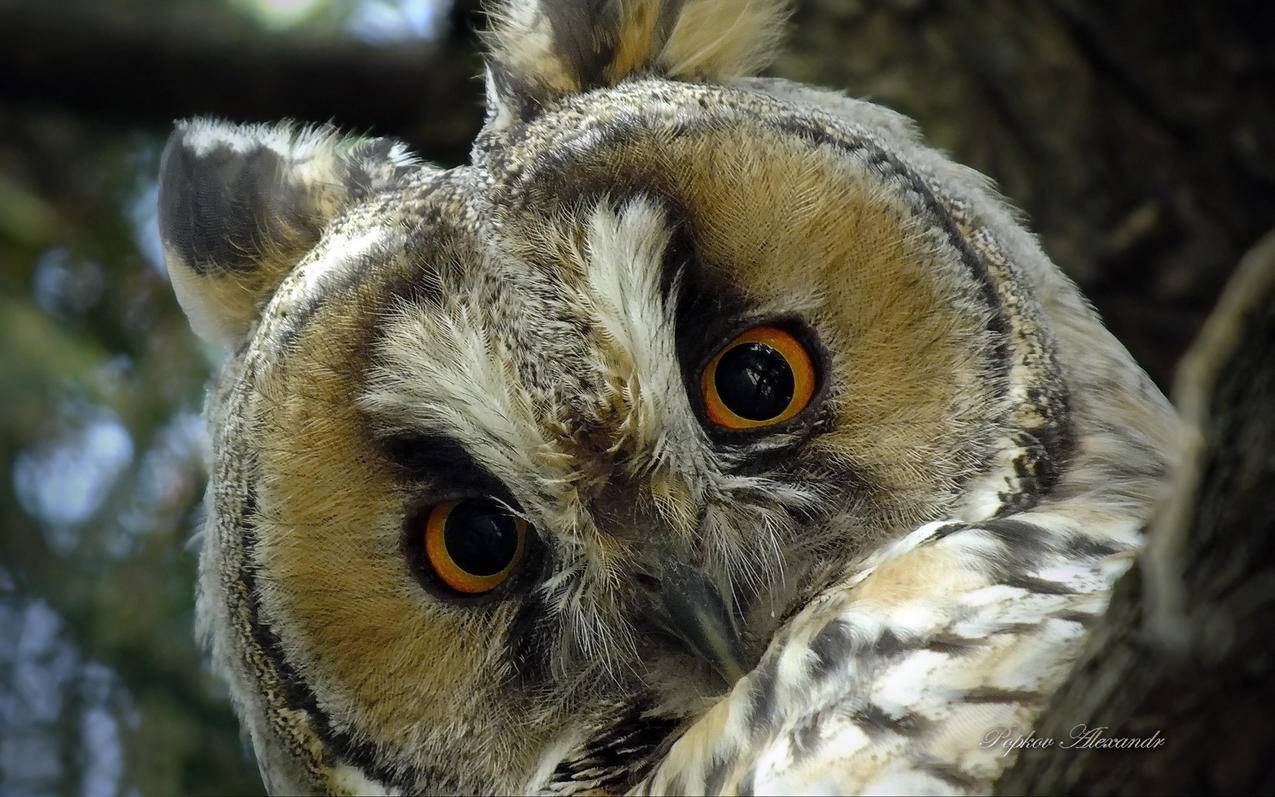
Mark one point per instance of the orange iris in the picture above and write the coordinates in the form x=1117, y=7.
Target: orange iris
x=761, y=378
x=474, y=545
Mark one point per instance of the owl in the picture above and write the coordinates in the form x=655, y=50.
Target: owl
x=705, y=433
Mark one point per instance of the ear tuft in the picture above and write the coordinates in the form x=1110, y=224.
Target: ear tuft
x=240, y=205
x=724, y=39
x=539, y=49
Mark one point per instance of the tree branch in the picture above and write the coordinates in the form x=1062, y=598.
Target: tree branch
x=136, y=70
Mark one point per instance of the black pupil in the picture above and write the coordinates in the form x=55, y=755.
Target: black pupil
x=481, y=537
x=754, y=381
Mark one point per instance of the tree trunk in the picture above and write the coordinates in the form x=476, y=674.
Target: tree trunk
x=1184, y=650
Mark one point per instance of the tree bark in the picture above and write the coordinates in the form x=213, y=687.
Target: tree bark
x=1136, y=134
x=1184, y=650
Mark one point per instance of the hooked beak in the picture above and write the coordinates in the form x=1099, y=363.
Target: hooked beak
x=688, y=606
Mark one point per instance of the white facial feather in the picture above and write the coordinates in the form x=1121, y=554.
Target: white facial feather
x=625, y=261
x=441, y=373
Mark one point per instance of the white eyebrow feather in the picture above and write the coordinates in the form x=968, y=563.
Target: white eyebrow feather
x=439, y=371
x=624, y=265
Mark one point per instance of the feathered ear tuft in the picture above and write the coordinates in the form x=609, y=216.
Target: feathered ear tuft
x=240, y=205
x=539, y=49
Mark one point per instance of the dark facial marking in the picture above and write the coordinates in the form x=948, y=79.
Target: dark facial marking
x=218, y=209
x=343, y=744
x=620, y=754
x=438, y=458
x=528, y=641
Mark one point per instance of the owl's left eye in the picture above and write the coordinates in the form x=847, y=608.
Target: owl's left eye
x=474, y=545
x=763, y=377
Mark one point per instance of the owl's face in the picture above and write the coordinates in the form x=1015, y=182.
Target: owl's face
x=519, y=465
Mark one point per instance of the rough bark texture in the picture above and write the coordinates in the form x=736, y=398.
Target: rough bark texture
x=1137, y=135
x=1185, y=648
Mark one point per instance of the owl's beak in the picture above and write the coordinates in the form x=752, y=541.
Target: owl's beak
x=690, y=608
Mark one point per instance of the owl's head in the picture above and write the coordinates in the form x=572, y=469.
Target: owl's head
x=517, y=466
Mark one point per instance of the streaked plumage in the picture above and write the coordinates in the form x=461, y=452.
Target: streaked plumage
x=848, y=601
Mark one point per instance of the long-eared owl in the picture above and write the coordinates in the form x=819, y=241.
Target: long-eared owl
x=703, y=433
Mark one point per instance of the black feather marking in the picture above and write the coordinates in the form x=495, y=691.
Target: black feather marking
x=831, y=647
x=713, y=779
x=875, y=721
x=951, y=644
x=992, y=694
x=950, y=774
x=220, y=209
x=889, y=644
x=1038, y=585
x=1086, y=547
x=764, y=688
x=620, y=754
x=585, y=35
x=1080, y=618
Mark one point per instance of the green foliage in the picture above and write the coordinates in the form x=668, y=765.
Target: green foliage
x=102, y=687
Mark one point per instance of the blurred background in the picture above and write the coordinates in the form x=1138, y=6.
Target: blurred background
x=1137, y=137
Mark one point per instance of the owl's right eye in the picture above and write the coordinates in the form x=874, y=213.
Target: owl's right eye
x=474, y=545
